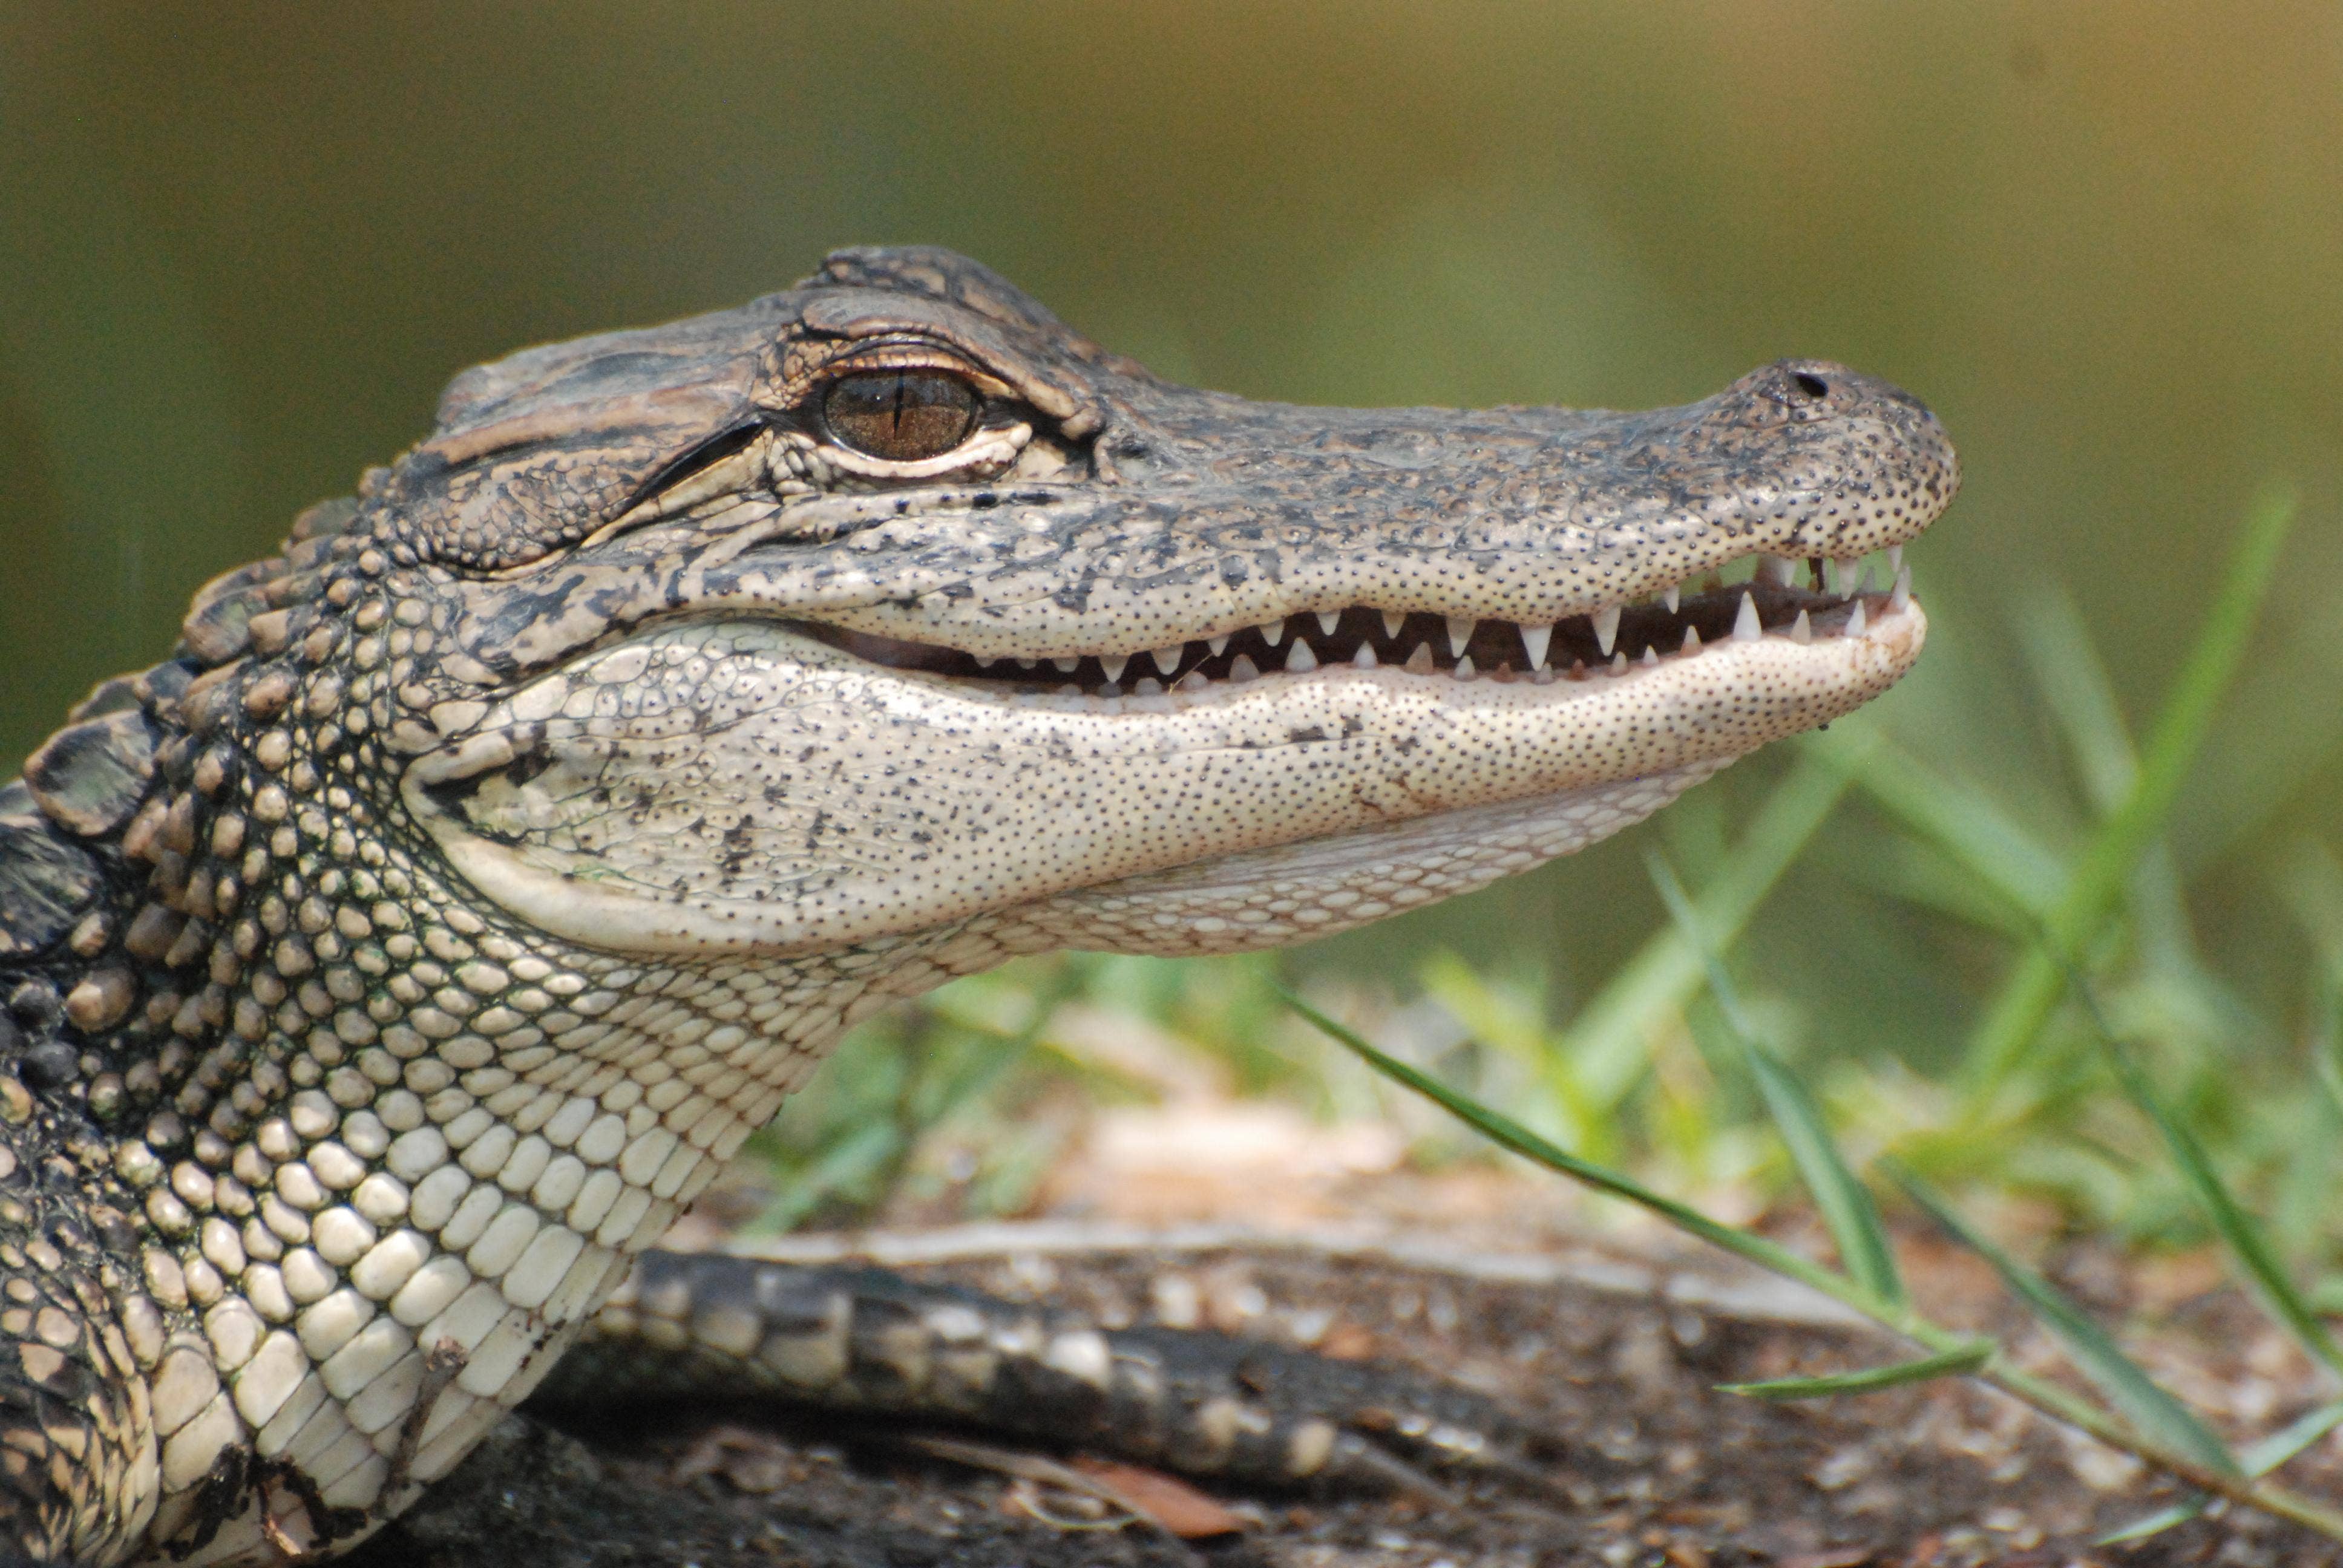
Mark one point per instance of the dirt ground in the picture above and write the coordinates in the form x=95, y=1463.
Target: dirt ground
x=1614, y=1358
x=1607, y=1342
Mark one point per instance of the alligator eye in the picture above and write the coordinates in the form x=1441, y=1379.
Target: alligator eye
x=902, y=416
x=1811, y=385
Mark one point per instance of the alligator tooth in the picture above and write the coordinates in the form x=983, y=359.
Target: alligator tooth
x=1651, y=656
x=1242, y=667
x=1778, y=569
x=1113, y=663
x=1690, y=641
x=1854, y=620
x=1606, y=626
x=1192, y=681
x=1902, y=596
x=1745, y=625
x=1070, y=689
x=1328, y=619
x=1393, y=621
x=1674, y=597
x=1896, y=558
x=1167, y=659
x=1463, y=670
x=1862, y=584
x=1619, y=662
x=1217, y=645
x=1534, y=640
x=1802, y=631
x=1067, y=661
x=1365, y=657
x=1420, y=661
x=1299, y=660
x=1272, y=632
x=1147, y=685
x=1109, y=692
x=1459, y=632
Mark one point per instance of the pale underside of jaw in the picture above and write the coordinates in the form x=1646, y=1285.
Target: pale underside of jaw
x=1804, y=602
x=1335, y=883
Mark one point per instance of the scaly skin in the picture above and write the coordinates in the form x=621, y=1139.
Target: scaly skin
x=391, y=965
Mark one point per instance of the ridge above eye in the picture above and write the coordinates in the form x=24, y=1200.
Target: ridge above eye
x=902, y=416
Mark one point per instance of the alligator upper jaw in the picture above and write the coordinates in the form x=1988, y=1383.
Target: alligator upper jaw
x=1782, y=598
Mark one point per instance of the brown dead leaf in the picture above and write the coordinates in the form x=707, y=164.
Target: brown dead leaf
x=1167, y=1500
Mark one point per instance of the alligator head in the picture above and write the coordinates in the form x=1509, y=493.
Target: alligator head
x=401, y=956
x=890, y=603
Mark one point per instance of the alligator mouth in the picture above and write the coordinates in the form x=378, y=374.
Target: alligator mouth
x=1678, y=623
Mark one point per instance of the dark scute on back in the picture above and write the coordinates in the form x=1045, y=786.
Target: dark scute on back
x=46, y=881
x=89, y=777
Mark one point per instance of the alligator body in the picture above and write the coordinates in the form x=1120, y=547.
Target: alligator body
x=391, y=965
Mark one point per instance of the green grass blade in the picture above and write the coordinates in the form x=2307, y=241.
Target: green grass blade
x=1847, y=1207
x=1507, y=1133
x=1609, y=1038
x=2262, y=1457
x=2073, y=681
x=2107, y=863
x=2257, y=1459
x=1959, y=1362
x=2155, y=1523
x=2326, y=1042
x=1955, y=817
x=2239, y=1231
x=2143, y=1402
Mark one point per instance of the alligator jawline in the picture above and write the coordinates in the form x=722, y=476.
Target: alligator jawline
x=1573, y=648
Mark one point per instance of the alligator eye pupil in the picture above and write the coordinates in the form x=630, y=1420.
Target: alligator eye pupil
x=901, y=415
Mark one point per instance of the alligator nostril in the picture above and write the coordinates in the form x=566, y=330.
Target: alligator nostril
x=1812, y=386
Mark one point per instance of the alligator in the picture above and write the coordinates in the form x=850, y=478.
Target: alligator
x=385, y=970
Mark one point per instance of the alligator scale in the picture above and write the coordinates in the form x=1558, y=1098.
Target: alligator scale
x=387, y=969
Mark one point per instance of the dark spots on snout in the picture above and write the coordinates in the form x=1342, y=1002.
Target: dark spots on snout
x=983, y=501
x=1305, y=737
x=1407, y=744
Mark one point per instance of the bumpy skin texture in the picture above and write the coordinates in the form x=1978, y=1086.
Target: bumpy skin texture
x=390, y=965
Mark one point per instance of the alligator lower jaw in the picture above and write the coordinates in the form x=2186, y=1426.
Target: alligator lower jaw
x=1682, y=624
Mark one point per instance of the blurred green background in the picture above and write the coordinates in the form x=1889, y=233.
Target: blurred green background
x=242, y=246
